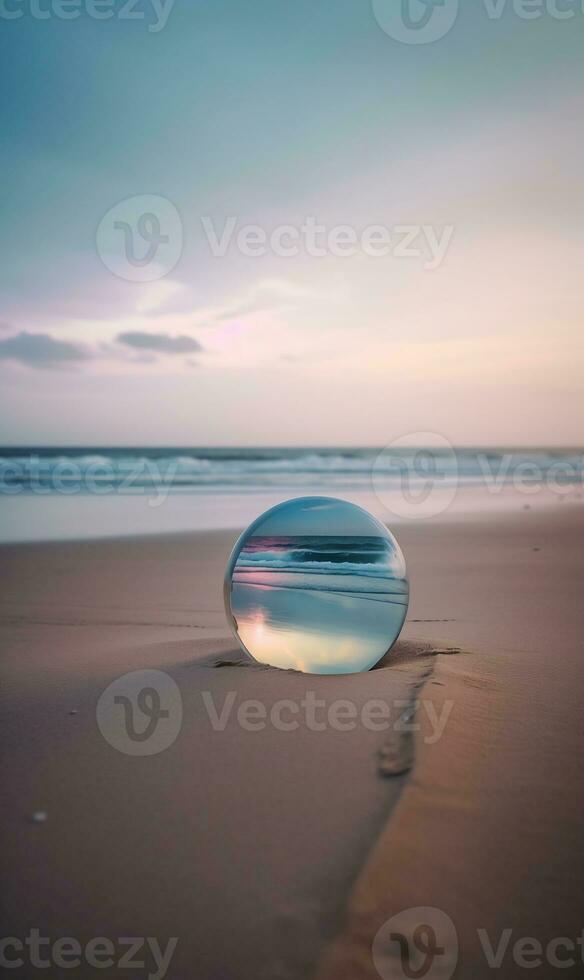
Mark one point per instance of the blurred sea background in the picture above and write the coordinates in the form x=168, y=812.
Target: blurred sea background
x=85, y=492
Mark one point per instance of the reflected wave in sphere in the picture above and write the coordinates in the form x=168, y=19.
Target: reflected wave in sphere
x=318, y=585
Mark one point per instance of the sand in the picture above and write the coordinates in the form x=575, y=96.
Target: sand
x=489, y=828
x=273, y=853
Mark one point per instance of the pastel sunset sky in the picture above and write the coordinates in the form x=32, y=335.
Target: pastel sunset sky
x=271, y=113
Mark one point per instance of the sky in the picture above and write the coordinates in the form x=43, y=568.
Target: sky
x=291, y=223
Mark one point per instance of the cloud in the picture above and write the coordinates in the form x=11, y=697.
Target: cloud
x=41, y=350
x=245, y=309
x=161, y=342
x=269, y=295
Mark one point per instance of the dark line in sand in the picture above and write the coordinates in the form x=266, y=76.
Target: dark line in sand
x=432, y=621
x=23, y=621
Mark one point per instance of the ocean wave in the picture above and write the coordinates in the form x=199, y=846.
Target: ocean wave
x=277, y=468
x=316, y=567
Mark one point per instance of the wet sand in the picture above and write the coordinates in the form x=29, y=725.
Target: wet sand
x=274, y=853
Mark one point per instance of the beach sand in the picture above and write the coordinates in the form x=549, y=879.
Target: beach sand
x=278, y=854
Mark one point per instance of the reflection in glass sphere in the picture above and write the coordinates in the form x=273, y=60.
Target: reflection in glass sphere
x=318, y=585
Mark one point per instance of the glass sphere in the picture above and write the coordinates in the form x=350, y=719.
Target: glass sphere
x=317, y=585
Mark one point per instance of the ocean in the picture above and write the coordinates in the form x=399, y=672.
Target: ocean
x=62, y=492
x=302, y=561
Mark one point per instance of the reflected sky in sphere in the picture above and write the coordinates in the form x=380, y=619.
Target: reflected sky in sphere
x=317, y=585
